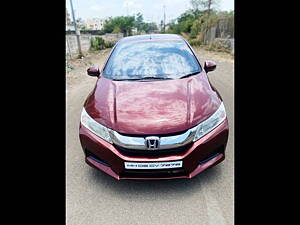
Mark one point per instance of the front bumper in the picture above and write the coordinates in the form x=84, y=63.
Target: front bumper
x=201, y=155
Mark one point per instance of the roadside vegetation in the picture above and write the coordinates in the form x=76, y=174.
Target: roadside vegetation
x=129, y=25
x=193, y=25
x=98, y=43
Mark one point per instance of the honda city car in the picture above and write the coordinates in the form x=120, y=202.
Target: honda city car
x=153, y=113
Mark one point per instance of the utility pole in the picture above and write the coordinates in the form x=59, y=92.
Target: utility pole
x=164, y=18
x=76, y=31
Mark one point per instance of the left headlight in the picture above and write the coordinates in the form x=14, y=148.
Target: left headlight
x=212, y=122
x=95, y=127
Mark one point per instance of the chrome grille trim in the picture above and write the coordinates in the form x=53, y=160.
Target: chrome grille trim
x=167, y=142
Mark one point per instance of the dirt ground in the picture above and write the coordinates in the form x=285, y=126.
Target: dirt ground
x=76, y=68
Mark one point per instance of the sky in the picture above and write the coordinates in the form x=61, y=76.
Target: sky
x=152, y=10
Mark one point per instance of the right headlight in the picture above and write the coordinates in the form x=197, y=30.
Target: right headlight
x=98, y=129
x=212, y=122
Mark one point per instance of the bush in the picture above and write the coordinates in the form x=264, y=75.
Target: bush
x=195, y=29
x=219, y=46
x=195, y=42
x=109, y=44
x=97, y=43
x=116, y=30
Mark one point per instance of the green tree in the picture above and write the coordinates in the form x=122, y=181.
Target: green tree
x=204, y=4
x=195, y=29
x=151, y=27
x=116, y=30
x=185, y=21
x=124, y=24
x=139, y=22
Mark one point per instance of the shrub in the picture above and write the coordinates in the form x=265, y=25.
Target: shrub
x=117, y=30
x=109, y=44
x=218, y=46
x=195, y=29
x=195, y=42
x=97, y=43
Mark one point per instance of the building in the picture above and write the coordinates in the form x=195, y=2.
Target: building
x=69, y=25
x=70, y=28
x=94, y=24
x=68, y=19
x=134, y=30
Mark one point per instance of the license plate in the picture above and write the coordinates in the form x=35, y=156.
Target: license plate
x=153, y=165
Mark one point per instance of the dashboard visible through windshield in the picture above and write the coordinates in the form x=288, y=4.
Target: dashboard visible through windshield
x=151, y=60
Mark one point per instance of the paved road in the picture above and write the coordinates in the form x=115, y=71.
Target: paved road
x=95, y=198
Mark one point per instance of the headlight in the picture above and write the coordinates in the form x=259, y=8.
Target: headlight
x=98, y=129
x=212, y=122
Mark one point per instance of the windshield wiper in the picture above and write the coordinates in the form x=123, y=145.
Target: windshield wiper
x=155, y=78
x=144, y=78
x=125, y=79
x=190, y=74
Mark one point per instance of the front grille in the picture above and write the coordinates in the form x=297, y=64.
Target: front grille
x=166, y=142
x=154, y=173
x=149, y=153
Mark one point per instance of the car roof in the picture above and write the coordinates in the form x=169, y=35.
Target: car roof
x=149, y=37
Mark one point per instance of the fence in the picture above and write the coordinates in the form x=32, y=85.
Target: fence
x=222, y=33
x=92, y=32
x=85, y=40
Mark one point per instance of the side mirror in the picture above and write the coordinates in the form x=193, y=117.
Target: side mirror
x=209, y=66
x=93, y=71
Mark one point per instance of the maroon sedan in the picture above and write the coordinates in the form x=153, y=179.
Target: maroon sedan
x=153, y=113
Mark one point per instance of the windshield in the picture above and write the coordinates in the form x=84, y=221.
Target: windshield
x=151, y=59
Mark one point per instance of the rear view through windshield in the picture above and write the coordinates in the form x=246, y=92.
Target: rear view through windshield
x=151, y=59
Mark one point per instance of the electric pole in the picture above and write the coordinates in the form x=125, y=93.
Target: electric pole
x=76, y=31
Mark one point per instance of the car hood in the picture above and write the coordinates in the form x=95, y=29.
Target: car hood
x=152, y=107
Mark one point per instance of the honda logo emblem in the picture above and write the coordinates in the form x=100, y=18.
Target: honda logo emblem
x=152, y=143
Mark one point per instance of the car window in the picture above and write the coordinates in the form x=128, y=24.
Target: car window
x=156, y=59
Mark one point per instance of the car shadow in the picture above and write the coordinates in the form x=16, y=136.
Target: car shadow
x=165, y=188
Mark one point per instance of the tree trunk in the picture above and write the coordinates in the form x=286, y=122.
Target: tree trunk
x=209, y=5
